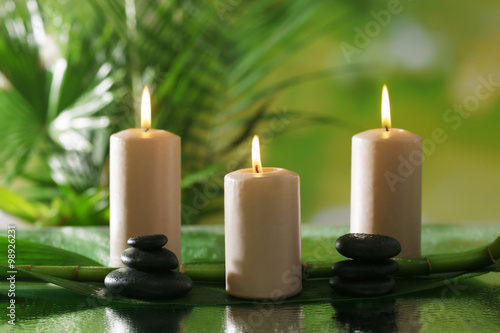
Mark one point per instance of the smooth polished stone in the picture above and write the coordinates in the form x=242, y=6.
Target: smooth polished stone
x=156, y=260
x=365, y=269
x=367, y=246
x=365, y=287
x=132, y=283
x=148, y=242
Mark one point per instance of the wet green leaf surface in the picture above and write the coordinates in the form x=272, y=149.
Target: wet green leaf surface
x=416, y=304
x=206, y=244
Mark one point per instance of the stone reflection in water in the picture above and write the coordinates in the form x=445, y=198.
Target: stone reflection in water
x=146, y=319
x=264, y=318
x=366, y=316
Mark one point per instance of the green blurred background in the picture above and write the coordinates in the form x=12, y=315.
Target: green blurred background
x=430, y=55
x=305, y=75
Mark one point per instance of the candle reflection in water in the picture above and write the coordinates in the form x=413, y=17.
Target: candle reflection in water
x=264, y=317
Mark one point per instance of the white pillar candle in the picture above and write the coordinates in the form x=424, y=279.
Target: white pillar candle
x=386, y=183
x=145, y=175
x=262, y=232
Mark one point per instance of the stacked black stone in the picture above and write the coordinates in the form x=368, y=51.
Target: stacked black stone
x=367, y=273
x=149, y=273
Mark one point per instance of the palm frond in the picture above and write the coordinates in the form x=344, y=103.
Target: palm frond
x=206, y=64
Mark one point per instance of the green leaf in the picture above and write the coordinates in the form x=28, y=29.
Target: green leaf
x=206, y=245
x=21, y=128
x=16, y=205
x=199, y=176
x=30, y=253
x=90, y=242
x=317, y=290
x=77, y=76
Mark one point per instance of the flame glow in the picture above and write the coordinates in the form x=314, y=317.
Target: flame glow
x=146, y=109
x=386, y=108
x=256, y=164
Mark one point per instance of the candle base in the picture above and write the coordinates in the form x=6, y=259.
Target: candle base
x=279, y=296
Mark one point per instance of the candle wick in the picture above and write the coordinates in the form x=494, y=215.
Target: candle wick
x=147, y=129
x=256, y=168
x=387, y=129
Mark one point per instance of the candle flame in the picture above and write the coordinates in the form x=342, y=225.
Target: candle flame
x=256, y=164
x=386, y=108
x=146, y=109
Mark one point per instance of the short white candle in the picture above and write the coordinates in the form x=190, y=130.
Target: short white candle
x=262, y=232
x=145, y=175
x=386, y=183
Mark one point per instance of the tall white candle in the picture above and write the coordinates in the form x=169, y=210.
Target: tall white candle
x=386, y=183
x=262, y=232
x=145, y=175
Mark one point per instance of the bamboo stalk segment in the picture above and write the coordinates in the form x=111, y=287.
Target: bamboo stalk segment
x=457, y=262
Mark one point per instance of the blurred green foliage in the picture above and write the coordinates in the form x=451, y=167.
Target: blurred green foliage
x=431, y=55
x=72, y=73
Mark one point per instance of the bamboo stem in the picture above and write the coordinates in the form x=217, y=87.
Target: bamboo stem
x=75, y=273
x=456, y=262
x=197, y=272
x=205, y=272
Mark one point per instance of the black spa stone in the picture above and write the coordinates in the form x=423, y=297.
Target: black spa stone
x=132, y=283
x=148, y=242
x=156, y=260
x=364, y=269
x=367, y=246
x=365, y=287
